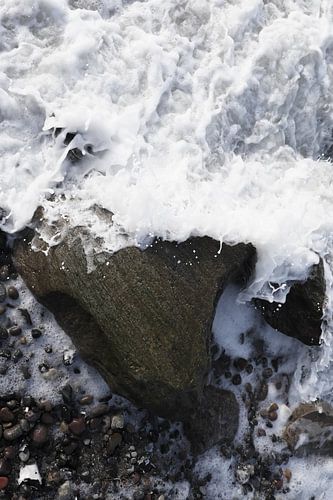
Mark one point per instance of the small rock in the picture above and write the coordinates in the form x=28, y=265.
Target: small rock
x=86, y=400
x=244, y=472
x=3, y=482
x=272, y=415
x=40, y=435
x=240, y=364
x=3, y=368
x=68, y=357
x=24, y=453
x=117, y=422
x=3, y=333
x=12, y=292
x=273, y=407
x=15, y=330
x=236, y=379
x=77, y=426
x=6, y=415
x=65, y=491
x=3, y=309
x=261, y=432
x=114, y=441
x=67, y=394
x=263, y=392
x=17, y=355
x=99, y=410
x=9, y=452
x=13, y=433
x=36, y=333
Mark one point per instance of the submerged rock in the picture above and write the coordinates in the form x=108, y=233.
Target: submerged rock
x=142, y=318
x=301, y=315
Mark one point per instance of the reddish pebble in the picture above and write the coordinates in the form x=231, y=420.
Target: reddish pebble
x=77, y=426
x=287, y=474
x=40, y=435
x=3, y=482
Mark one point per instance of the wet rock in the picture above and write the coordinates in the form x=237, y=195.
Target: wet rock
x=114, y=441
x=15, y=330
x=77, y=426
x=3, y=482
x=99, y=410
x=215, y=420
x=13, y=433
x=67, y=394
x=3, y=333
x=309, y=430
x=236, y=379
x=6, y=415
x=36, y=333
x=12, y=292
x=301, y=315
x=117, y=422
x=2, y=309
x=40, y=435
x=86, y=400
x=5, y=467
x=164, y=366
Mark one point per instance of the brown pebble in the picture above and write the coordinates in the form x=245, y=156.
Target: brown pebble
x=6, y=415
x=287, y=474
x=23, y=340
x=13, y=433
x=240, y=363
x=77, y=426
x=272, y=415
x=40, y=435
x=45, y=404
x=261, y=432
x=64, y=427
x=86, y=400
x=12, y=292
x=15, y=330
x=263, y=392
x=2, y=309
x=273, y=407
x=3, y=482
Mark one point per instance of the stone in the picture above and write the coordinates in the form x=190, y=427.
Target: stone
x=309, y=430
x=12, y=292
x=86, y=400
x=215, y=419
x=142, y=318
x=301, y=315
x=40, y=435
x=6, y=415
x=114, y=441
x=13, y=433
x=77, y=426
x=3, y=293
x=117, y=422
x=3, y=482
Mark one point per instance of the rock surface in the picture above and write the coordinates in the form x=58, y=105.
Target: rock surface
x=301, y=315
x=310, y=429
x=143, y=318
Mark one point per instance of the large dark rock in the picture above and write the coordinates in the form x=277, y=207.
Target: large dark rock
x=301, y=315
x=142, y=318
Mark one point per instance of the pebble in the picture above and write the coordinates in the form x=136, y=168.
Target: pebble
x=65, y=491
x=117, y=422
x=272, y=415
x=40, y=435
x=263, y=392
x=17, y=355
x=273, y=407
x=15, y=331
x=12, y=292
x=3, y=482
x=86, y=400
x=99, y=410
x=67, y=394
x=13, y=433
x=3, y=309
x=77, y=426
x=36, y=333
x=24, y=453
x=236, y=379
x=261, y=432
x=240, y=363
x=6, y=415
x=9, y=452
x=114, y=441
x=3, y=368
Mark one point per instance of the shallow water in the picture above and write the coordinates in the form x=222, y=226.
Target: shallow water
x=195, y=117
